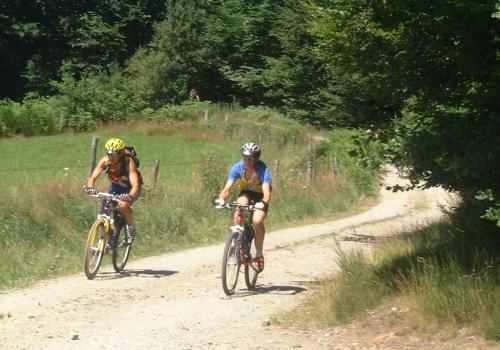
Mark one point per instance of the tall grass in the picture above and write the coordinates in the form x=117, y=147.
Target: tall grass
x=451, y=274
x=42, y=230
x=44, y=216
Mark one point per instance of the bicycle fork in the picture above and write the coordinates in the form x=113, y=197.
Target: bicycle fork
x=106, y=223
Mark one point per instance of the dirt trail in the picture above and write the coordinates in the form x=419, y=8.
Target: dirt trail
x=175, y=301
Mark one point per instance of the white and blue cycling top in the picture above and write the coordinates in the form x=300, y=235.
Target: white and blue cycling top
x=260, y=176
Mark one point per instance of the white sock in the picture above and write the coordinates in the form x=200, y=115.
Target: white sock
x=258, y=254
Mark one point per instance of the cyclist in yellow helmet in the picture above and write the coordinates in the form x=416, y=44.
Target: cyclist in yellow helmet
x=126, y=180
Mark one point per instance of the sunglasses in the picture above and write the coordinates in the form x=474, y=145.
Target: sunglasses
x=248, y=158
x=112, y=154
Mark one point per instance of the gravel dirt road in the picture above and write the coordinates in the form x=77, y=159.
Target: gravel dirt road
x=175, y=301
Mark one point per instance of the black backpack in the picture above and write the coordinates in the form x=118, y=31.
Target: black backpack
x=131, y=153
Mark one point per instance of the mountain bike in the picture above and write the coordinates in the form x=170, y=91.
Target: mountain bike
x=106, y=229
x=239, y=249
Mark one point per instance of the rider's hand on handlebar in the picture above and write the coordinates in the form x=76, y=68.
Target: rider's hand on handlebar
x=90, y=190
x=125, y=197
x=260, y=205
x=219, y=203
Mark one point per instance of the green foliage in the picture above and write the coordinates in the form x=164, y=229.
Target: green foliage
x=35, y=116
x=45, y=216
x=433, y=71
x=358, y=154
x=493, y=210
x=429, y=73
x=9, y=124
x=188, y=110
x=38, y=36
x=450, y=270
x=103, y=97
x=212, y=182
x=166, y=71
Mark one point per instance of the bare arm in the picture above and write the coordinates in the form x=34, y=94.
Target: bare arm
x=96, y=173
x=266, y=190
x=133, y=177
x=225, y=191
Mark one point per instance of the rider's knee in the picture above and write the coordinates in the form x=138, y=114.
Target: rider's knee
x=242, y=200
x=258, y=222
x=124, y=205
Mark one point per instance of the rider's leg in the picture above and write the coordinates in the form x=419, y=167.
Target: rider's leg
x=260, y=230
x=243, y=200
x=128, y=214
x=126, y=210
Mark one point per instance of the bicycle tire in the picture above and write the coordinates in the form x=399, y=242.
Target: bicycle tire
x=250, y=273
x=122, y=250
x=231, y=264
x=94, y=248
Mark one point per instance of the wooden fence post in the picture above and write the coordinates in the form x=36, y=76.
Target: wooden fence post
x=276, y=169
x=334, y=166
x=93, y=152
x=293, y=143
x=154, y=173
x=226, y=118
x=210, y=160
x=309, y=171
x=205, y=116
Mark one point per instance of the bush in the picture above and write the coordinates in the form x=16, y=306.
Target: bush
x=358, y=155
x=106, y=96
x=35, y=116
x=9, y=123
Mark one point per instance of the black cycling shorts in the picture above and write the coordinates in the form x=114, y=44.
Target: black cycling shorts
x=254, y=197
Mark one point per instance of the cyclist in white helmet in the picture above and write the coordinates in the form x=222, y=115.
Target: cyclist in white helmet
x=253, y=178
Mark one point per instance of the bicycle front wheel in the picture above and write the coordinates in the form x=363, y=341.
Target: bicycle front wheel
x=250, y=273
x=94, y=248
x=231, y=264
x=122, y=250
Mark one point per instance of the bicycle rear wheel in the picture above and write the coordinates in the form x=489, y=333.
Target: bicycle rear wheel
x=231, y=264
x=250, y=273
x=122, y=249
x=94, y=248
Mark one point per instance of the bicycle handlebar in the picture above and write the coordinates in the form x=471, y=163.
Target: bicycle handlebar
x=112, y=197
x=236, y=205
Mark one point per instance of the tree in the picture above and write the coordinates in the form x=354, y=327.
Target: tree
x=431, y=68
x=36, y=37
x=164, y=72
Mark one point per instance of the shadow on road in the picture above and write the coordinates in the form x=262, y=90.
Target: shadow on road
x=147, y=273
x=281, y=290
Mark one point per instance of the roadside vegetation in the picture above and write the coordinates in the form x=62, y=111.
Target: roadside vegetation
x=423, y=79
x=45, y=216
x=447, y=274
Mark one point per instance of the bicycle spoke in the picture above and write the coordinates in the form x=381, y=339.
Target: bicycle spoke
x=251, y=273
x=94, y=249
x=230, y=265
x=122, y=250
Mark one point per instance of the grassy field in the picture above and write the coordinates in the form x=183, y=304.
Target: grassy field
x=42, y=158
x=44, y=216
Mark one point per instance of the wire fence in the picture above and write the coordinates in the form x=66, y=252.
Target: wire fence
x=307, y=171
x=67, y=167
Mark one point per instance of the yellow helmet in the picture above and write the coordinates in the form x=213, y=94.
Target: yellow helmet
x=114, y=145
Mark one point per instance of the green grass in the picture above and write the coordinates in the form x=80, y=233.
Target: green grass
x=45, y=217
x=41, y=158
x=452, y=274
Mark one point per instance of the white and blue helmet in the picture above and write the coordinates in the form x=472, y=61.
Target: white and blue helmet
x=251, y=149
